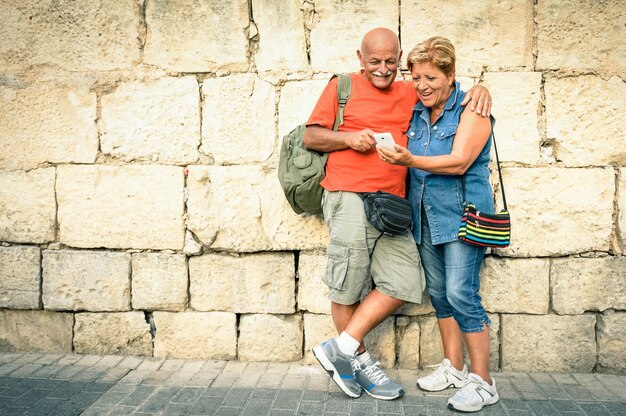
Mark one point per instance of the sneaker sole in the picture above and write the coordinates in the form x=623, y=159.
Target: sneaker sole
x=459, y=407
x=376, y=396
x=318, y=353
x=455, y=384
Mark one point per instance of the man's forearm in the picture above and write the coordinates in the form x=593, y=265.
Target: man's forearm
x=324, y=140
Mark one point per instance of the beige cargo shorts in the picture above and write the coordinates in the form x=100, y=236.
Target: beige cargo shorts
x=358, y=255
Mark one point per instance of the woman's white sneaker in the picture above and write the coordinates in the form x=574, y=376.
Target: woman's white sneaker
x=474, y=395
x=444, y=376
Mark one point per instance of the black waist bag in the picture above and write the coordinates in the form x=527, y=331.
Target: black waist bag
x=388, y=213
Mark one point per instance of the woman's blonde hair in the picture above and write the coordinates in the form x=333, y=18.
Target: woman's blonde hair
x=437, y=50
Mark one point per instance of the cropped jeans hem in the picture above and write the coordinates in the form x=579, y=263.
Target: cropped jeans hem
x=481, y=328
x=465, y=329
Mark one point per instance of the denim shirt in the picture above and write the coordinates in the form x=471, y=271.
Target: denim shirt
x=442, y=195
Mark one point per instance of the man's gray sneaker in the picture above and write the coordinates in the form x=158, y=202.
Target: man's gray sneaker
x=375, y=382
x=339, y=367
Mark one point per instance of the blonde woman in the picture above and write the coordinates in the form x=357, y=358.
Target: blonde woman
x=448, y=153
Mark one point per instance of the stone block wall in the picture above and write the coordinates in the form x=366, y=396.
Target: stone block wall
x=140, y=212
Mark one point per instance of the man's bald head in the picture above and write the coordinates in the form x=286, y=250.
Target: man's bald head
x=380, y=56
x=378, y=37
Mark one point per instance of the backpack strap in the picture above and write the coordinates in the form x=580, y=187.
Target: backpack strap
x=344, y=88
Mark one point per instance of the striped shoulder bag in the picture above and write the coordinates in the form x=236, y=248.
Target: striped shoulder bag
x=486, y=230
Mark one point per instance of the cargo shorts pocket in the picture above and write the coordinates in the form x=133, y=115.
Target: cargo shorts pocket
x=337, y=266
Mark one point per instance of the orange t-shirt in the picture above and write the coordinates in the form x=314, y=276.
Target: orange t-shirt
x=367, y=108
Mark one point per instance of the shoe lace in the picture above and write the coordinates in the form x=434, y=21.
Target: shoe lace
x=470, y=387
x=375, y=373
x=439, y=368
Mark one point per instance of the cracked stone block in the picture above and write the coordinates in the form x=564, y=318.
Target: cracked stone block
x=159, y=281
x=19, y=277
x=196, y=335
x=516, y=285
x=75, y=36
x=192, y=246
x=408, y=330
x=270, y=18
x=128, y=206
x=621, y=207
x=611, y=336
x=50, y=121
x=253, y=213
x=517, y=132
x=157, y=120
x=27, y=206
x=255, y=283
x=603, y=101
x=312, y=291
x=270, y=338
x=546, y=202
x=193, y=36
x=588, y=284
x=86, y=280
x=125, y=333
x=565, y=37
x=36, y=331
x=548, y=343
x=252, y=100
x=492, y=33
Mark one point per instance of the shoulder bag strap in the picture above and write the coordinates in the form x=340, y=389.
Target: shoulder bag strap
x=495, y=148
x=493, y=134
x=344, y=88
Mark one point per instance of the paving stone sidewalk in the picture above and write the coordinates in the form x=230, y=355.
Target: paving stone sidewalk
x=48, y=384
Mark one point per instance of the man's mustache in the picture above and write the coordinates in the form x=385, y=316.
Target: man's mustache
x=380, y=74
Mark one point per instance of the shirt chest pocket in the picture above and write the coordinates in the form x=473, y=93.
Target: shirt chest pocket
x=445, y=133
x=442, y=140
x=417, y=134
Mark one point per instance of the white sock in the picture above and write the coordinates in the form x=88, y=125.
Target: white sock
x=363, y=358
x=347, y=344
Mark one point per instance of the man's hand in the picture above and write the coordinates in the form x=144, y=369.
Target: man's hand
x=399, y=156
x=361, y=141
x=480, y=100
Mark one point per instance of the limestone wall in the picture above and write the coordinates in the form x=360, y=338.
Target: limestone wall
x=140, y=211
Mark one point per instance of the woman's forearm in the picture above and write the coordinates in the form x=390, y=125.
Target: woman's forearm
x=470, y=138
x=444, y=165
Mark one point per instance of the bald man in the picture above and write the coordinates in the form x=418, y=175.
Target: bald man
x=358, y=254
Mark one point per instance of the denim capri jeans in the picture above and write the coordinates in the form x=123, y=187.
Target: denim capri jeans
x=452, y=278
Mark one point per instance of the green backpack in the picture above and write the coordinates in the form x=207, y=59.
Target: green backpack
x=300, y=170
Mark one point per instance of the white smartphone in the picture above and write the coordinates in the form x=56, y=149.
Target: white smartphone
x=384, y=140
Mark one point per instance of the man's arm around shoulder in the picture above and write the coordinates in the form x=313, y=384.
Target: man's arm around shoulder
x=326, y=140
